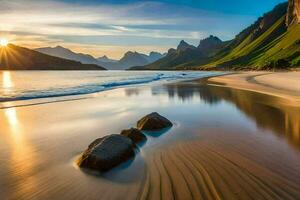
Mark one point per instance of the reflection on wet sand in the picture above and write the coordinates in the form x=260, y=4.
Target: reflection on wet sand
x=267, y=112
x=11, y=116
x=228, y=163
x=132, y=92
x=224, y=144
x=22, y=156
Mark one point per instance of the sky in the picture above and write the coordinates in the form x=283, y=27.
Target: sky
x=112, y=27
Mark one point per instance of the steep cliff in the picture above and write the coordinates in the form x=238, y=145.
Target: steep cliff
x=293, y=13
x=271, y=42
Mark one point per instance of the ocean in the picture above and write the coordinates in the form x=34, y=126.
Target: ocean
x=26, y=85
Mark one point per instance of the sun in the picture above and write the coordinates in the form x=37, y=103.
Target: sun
x=3, y=42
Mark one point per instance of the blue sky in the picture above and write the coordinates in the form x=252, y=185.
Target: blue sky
x=243, y=7
x=112, y=27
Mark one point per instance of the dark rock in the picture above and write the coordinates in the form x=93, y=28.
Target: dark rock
x=134, y=134
x=153, y=122
x=105, y=153
x=293, y=13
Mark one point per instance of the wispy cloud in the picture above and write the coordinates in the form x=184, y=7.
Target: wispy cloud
x=33, y=23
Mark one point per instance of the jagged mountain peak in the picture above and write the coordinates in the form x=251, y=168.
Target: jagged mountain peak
x=182, y=42
x=131, y=53
x=265, y=44
x=105, y=59
x=210, y=42
x=183, y=45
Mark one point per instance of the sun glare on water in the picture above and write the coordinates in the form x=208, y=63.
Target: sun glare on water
x=3, y=42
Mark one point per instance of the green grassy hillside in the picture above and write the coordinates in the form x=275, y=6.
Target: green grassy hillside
x=269, y=43
x=286, y=47
x=278, y=47
x=187, y=55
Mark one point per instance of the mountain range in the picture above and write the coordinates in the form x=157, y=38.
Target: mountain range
x=129, y=59
x=13, y=57
x=105, y=59
x=273, y=41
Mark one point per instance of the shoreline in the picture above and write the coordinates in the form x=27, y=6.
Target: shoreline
x=115, y=80
x=235, y=80
x=279, y=84
x=226, y=143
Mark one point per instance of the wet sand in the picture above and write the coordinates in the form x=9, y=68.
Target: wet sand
x=281, y=84
x=227, y=143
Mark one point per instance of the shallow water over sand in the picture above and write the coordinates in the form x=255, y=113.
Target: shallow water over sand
x=29, y=85
x=225, y=144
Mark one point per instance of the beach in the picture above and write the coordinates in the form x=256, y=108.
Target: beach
x=235, y=136
x=281, y=84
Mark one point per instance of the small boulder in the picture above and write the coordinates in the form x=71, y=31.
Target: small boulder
x=105, y=153
x=153, y=122
x=134, y=134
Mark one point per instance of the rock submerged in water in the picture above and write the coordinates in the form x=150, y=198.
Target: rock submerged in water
x=134, y=134
x=105, y=153
x=153, y=122
x=110, y=151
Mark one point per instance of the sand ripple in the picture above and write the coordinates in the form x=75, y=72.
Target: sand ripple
x=218, y=170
